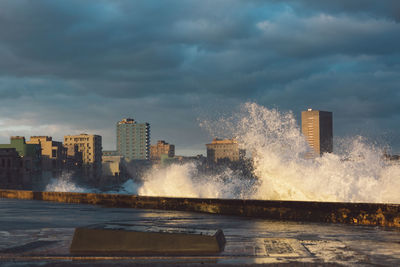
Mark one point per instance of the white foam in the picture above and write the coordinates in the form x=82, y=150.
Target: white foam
x=184, y=180
x=65, y=184
x=129, y=187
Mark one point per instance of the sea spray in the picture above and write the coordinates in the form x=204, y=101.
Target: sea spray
x=128, y=187
x=64, y=183
x=185, y=180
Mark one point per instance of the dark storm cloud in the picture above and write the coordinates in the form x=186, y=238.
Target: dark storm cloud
x=386, y=8
x=82, y=65
x=325, y=35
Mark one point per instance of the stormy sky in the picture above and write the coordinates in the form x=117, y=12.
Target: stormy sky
x=68, y=67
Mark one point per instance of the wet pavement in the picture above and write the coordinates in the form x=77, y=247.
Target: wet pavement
x=40, y=233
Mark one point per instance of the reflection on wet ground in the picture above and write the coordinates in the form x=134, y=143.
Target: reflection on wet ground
x=38, y=232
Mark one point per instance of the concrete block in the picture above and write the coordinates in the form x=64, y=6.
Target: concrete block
x=125, y=239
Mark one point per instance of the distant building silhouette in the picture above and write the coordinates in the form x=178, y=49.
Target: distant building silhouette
x=11, y=169
x=27, y=160
x=133, y=140
x=317, y=127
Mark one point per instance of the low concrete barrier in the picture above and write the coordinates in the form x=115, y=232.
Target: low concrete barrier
x=329, y=212
x=127, y=239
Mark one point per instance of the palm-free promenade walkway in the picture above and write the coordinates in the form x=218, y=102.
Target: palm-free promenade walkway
x=40, y=233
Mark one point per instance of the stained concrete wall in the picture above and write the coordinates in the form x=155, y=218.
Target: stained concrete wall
x=329, y=212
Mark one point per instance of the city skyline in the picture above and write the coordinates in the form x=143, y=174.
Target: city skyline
x=114, y=150
x=80, y=66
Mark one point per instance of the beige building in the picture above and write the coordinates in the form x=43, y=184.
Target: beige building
x=53, y=154
x=223, y=149
x=161, y=148
x=89, y=146
x=317, y=127
x=114, y=170
x=112, y=166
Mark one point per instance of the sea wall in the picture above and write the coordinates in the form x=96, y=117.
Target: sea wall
x=328, y=212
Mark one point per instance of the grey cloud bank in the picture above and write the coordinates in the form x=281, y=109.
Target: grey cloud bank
x=79, y=66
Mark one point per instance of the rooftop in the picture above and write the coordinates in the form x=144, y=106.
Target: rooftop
x=224, y=141
x=127, y=121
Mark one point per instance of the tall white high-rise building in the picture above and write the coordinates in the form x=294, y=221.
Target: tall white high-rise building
x=133, y=139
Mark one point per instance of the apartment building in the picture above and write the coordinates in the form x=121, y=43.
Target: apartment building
x=133, y=140
x=161, y=148
x=88, y=148
x=29, y=157
x=223, y=149
x=317, y=127
x=53, y=154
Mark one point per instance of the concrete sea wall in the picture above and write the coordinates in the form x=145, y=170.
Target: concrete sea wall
x=329, y=212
